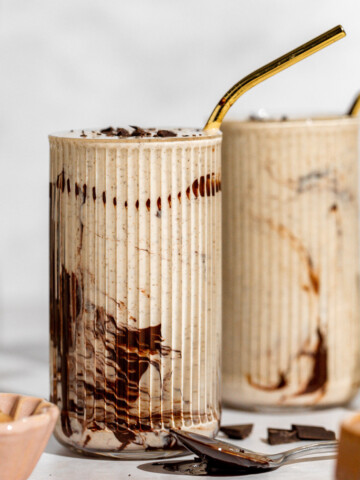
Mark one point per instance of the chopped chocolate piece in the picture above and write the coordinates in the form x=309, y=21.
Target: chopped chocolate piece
x=107, y=130
x=83, y=134
x=238, y=432
x=165, y=133
x=277, y=436
x=313, y=432
x=122, y=132
x=139, y=132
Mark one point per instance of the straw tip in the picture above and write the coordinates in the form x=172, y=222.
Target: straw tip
x=341, y=29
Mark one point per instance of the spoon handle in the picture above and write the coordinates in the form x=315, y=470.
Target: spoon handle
x=321, y=447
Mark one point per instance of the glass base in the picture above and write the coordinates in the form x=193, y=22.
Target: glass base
x=281, y=408
x=140, y=455
x=336, y=394
x=150, y=454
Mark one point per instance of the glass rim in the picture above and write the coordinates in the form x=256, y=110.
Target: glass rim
x=206, y=135
x=311, y=121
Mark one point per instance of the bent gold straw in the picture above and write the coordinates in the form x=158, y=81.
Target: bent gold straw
x=269, y=70
x=355, y=107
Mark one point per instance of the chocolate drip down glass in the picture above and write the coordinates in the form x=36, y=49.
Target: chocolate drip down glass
x=135, y=290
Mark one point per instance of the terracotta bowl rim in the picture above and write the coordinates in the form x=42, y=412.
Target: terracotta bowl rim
x=38, y=420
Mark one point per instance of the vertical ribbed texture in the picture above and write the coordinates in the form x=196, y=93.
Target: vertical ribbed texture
x=135, y=242
x=290, y=263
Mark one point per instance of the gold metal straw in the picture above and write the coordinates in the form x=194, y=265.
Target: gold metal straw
x=269, y=70
x=355, y=107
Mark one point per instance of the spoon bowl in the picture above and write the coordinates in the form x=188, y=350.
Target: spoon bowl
x=231, y=456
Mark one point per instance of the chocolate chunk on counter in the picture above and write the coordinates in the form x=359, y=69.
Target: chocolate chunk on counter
x=238, y=432
x=278, y=436
x=313, y=432
x=165, y=133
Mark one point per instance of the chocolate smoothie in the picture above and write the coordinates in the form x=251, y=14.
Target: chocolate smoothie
x=290, y=262
x=135, y=287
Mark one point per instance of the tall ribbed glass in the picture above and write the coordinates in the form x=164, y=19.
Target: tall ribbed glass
x=290, y=263
x=135, y=290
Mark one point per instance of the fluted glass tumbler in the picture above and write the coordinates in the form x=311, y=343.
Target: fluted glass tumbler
x=290, y=263
x=135, y=289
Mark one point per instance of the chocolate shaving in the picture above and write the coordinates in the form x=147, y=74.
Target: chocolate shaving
x=165, y=133
x=122, y=132
x=238, y=432
x=107, y=130
x=139, y=132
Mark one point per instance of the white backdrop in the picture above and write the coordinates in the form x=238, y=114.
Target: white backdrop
x=80, y=63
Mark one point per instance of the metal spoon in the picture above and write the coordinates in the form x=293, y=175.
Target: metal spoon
x=230, y=456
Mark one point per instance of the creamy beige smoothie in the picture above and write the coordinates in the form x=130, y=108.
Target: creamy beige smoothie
x=290, y=262
x=135, y=274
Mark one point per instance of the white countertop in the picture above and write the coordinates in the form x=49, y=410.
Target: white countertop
x=24, y=369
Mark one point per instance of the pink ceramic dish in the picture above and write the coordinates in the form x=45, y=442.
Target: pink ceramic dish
x=23, y=439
